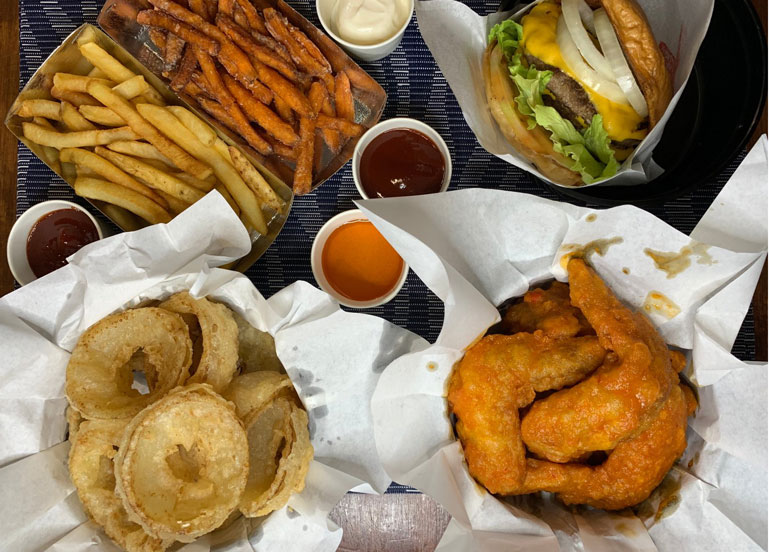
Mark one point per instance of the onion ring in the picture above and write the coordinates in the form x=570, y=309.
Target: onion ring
x=252, y=391
x=292, y=468
x=91, y=470
x=183, y=464
x=219, y=334
x=99, y=373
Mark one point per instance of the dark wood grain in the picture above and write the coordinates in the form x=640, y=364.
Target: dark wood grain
x=9, y=88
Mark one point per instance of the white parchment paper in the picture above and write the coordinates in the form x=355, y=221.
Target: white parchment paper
x=476, y=248
x=333, y=357
x=457, y=38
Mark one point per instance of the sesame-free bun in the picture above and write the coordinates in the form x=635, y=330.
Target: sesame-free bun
x=642, y=53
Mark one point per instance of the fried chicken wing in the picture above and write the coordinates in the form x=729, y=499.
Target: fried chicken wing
x=547, y=309
x=496, y=377
x=620, y=399
x=631, y=471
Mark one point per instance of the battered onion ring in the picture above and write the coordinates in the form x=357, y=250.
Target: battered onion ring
x=99, y=373
x=252, y=391
x=183, y=464
x=256, y=349
x=91, y=470
x=296, y=454
x=219, y=334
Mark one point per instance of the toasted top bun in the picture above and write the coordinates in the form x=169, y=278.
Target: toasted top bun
x=642, y=52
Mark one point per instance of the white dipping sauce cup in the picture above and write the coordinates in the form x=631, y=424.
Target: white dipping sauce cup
x=363, y=52
x=17, y=238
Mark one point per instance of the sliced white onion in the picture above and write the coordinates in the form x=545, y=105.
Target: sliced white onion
x=571, y=11
x=587, y=15
x=587, y=76
x=605, y=32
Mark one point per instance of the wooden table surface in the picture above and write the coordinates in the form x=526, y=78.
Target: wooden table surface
x=396, y=523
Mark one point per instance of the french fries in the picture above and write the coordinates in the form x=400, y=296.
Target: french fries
x=144, y=129
x=94, y=188
x=101, y=167
x=110, y=134
x=86, y=138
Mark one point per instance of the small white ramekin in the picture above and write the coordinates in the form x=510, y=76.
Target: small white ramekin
x=315, y=262
x=392, y=124
x=17, y=238
x=363, y=52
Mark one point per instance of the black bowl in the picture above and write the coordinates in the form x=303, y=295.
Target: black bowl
x=719, y=109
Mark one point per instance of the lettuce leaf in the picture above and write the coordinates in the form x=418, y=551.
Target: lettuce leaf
x=589, y=149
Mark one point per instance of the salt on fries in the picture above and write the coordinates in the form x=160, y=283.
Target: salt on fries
x=111, y=133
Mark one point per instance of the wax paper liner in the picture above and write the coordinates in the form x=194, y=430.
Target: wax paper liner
x=457, y=38
x=333, y=357
x=477, y=248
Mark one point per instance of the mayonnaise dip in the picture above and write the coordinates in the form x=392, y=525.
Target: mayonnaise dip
x=366, y=22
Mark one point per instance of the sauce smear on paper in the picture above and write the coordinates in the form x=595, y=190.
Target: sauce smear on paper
x=359, y=263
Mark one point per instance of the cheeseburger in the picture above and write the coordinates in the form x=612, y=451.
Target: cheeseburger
x=575, y=89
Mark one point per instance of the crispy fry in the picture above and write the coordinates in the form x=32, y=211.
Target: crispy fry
x=252, y=17
x=361, y=80
x=239, y=17
x=40, y=108
x=46, y=137
x=111, y=67
x=175, y=47
x=105, y=169
x=186, y=67
x=141, y=149
x=155, y=178
x=284, y=110
x=226, y=7
x=72, y=119
x=261, y=53
x=159, y=38
x=175, y=205
x=284, y=152
x=93, y=188
x=233, y=205
x=223, y=150
x=126, y=110
x=75, y=98
x=200, y=129
x=125, y=219
x=303, y=173
x=187, y=33
x=343, y=99
x=351, y=130
x=321, y=102
x=283, y=88
x=67, y=82
x=199, y=8
x=303, y=40
x=228, y=102
x=170, y=125
x=254, y=179
x=261, y=114
x=50, y=155
x=132, y=88
x=278, y=27
x=97, y=73
x=202, y=185
x=101, y=115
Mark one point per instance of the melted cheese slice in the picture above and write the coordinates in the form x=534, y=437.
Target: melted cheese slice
x=620, y=121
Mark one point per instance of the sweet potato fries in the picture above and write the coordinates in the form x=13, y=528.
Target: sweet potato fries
x=260, y=76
